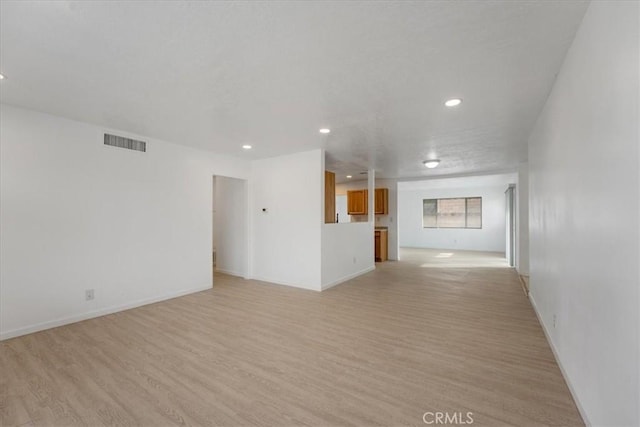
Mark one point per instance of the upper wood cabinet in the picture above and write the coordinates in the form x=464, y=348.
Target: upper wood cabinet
x=357, y=202
x=382, y=201
x=329, y=197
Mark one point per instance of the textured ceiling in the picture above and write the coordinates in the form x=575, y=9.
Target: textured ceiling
x=216, y=75
x=497, y=180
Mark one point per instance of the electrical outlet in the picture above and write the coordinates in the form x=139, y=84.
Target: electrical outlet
x=88, y=295
x=554, y=321
x=355, y=260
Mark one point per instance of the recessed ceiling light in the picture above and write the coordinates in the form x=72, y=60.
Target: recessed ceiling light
x=453, y=102
x=325, y=130
x=431, y=163
x=349, y=176
x=247, y=147
x=1, y=76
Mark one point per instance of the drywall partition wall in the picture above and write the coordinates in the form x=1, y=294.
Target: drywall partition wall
x=347, y=248
x=76, y=214
x=490, y=238
x=287, y=214
x=347, y=251
x=391, y=219
x=522, y=220
x=230, y=207
x=584, y=215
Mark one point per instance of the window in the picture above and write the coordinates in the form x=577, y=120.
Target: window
x=452, y=213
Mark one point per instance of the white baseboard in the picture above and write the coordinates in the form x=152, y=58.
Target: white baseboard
x=96, y=313
x=583, y=414
x=348, y=277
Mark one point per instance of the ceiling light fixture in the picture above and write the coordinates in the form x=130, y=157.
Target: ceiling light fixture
x=431, y=163
x=453, y=102
x=325, y=130
x=1, y=76
x=349, y=176
x=247, y=147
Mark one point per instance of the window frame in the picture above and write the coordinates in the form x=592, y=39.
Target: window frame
x=466, y=213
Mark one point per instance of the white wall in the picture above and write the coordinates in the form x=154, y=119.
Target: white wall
x=584, y=215
x=522, y=220
x=491, y=237
x=286, y=239
x=76, y=214
x=390, y=220
x=230, y=225
x=347, y=251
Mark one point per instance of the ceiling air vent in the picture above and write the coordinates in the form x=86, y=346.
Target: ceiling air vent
x=122, y=142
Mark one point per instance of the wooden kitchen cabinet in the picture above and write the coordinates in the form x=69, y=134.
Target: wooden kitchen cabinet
x=357, y=202
x=382, y=201
x=329, y=197
x=381, y=245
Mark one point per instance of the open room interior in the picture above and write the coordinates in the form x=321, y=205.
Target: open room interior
x=488, y=233
x=358, y=213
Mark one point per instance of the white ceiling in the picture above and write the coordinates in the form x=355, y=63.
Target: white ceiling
x=494, y=180
x=216, y=75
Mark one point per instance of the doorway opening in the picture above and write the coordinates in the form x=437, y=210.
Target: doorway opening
x=229, y=226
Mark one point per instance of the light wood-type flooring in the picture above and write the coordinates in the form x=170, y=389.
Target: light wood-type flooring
x=432, y=333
